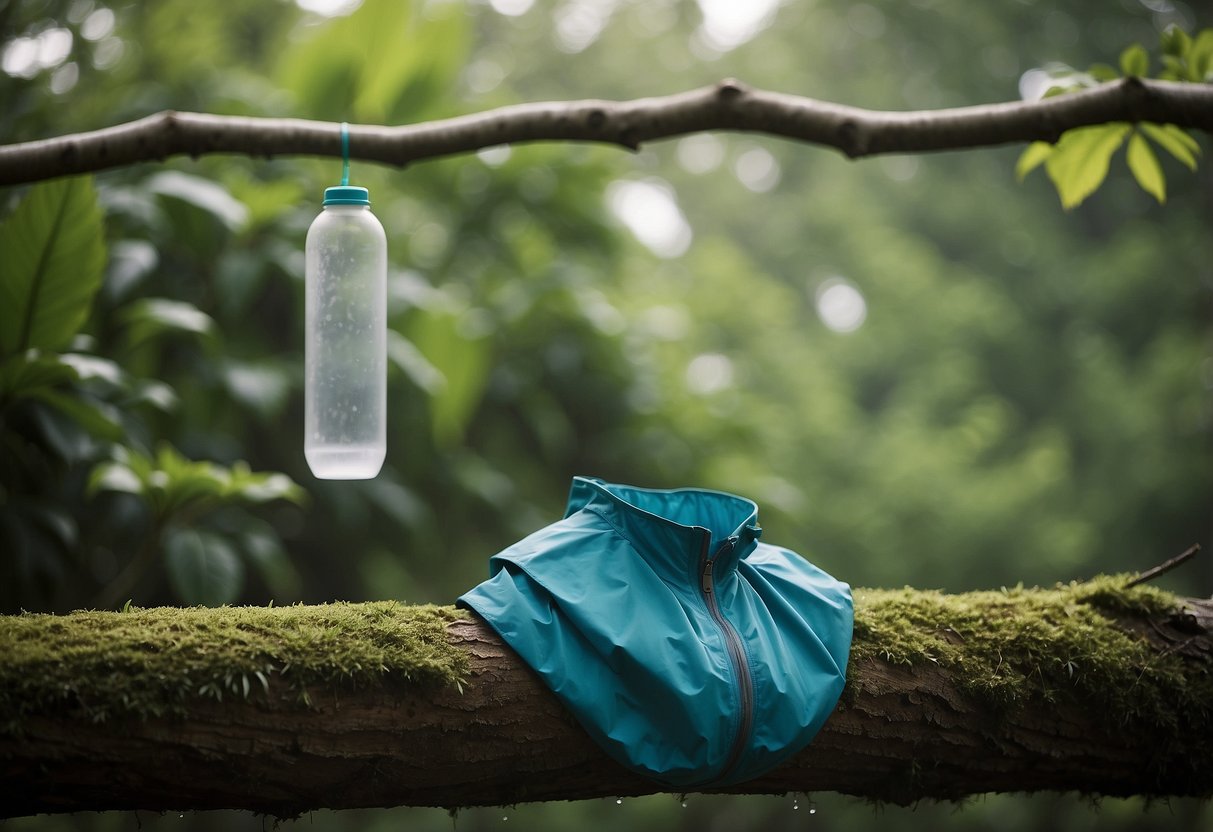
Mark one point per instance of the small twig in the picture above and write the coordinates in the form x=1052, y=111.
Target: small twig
x=1163, y=568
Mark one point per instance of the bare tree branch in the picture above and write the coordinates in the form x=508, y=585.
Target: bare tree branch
x=728, y=105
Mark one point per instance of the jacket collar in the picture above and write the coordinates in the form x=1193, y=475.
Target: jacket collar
x=668, y=527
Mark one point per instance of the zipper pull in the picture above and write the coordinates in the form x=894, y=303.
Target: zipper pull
x=705, y=577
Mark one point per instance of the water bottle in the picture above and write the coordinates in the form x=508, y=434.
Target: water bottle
x=345, y=410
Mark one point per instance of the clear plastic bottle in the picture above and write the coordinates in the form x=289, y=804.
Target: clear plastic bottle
x=345, y=410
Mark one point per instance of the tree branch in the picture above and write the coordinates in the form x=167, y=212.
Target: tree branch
x=729, y=105
x=1088, y=687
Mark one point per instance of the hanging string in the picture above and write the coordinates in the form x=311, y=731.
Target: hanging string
x=345, y=153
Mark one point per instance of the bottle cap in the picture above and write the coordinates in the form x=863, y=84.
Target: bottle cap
x=347, y=195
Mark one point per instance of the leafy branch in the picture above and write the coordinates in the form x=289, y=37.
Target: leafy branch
x=1079, y=161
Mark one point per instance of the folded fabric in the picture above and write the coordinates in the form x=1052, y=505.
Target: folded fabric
x=692, y=653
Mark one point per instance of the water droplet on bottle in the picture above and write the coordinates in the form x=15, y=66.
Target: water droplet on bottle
x=505, y=817
x=619, y=801
x=795, y=804
x=684, y=804
x=813, y=810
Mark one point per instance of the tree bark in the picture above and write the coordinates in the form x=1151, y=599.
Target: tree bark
x=728, y=105
x=902, y=732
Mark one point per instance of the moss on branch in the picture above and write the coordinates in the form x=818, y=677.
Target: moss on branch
x=152, y=662
x=1007, y=648
x=1098, y=642
x=1093, y=686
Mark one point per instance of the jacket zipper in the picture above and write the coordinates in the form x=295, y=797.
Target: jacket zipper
x=737, y=656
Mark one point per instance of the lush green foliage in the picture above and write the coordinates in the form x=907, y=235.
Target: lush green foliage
x=75, y=403
x=1027, y=398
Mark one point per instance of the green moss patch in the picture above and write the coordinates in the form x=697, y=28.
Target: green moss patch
x=1016, y=646
x=150, y=662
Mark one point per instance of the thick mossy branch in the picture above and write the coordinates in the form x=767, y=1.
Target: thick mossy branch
x=1005, y=647
x=1010, y=646
x=152, y=662
x=1091, y=687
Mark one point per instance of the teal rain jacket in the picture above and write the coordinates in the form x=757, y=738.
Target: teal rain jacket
x=692, y=653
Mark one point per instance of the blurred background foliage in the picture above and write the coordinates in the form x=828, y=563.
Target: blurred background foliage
x=924, y=372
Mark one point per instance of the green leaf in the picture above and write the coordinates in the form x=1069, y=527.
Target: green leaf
x=261, y=487
x=23, y=375
x=90, y=367
x=1200, y=57
x=1033, y=157
x=63, y=435
x=114, y=476
x=1080, y=158
x=264, y=387
x=1174, y=140
x=463, y=358
x=202, y=194
x=265, y=200
x=1173, y=69
x=1175, y=41
x=1146, y=170
x=1103, y=72
x=157, y=394
x=179, y=482
x=402, y=353
x=52, y=263
x=98, y=418
x=389, y=60
x=1135, y=61
x=151, y=317
x=203, y=567
x=131, y=261
x=262, y=547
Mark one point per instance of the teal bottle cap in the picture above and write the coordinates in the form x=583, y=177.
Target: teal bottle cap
x=347, y=195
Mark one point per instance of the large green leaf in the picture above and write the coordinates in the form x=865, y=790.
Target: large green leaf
x=1033, y=157
x=149, y=318
x=203, y=567
x=1079, y=161
x=1175, y=141
x=1146, y=170
x=1200, y=57
x=390, y=60
x=25, y=374
x=54, y=257
x=462, y=356
x=203, y=194
x=1135, y=61
x=98, y=418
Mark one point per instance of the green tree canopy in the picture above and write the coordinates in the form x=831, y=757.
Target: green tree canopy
x=923, y=370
